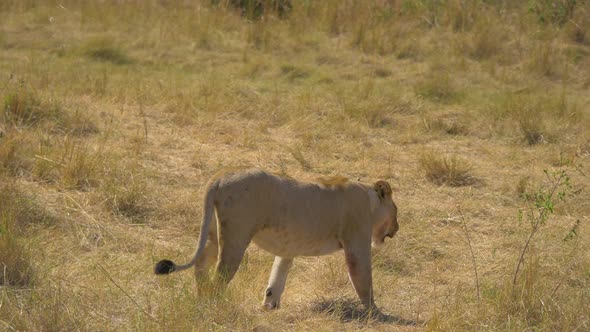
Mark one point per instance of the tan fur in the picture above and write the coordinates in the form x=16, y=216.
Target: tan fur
x=337, y=181
x=289, y=218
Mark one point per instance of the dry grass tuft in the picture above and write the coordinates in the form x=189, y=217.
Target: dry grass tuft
x=16, y=154
x=536, y=117
x=532, y=129
x=446, y=170
x=125, y=191
x=16, y=266
x=447, y=125
x=15, y=260
x=19, y=211
x=80, y=165
x=23, y=107
x=486, y=41
x=546, y=60
x=439, y=86
x=298, y=155
x=293, y=72
x=578, y=27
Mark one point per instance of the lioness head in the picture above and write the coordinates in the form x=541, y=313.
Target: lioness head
x=385, y=224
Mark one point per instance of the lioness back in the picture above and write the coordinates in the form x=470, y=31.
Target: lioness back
x=287, y=217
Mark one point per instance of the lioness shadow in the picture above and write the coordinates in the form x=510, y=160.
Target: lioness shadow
x=348, y=310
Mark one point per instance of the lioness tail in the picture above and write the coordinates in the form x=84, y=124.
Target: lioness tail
x=167, y=266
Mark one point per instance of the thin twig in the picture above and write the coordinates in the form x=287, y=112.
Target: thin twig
x=106, y=273
x=49, y=160
x=471, y=250
x=534, y=230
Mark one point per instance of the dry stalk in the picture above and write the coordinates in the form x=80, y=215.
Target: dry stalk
x=473, y=261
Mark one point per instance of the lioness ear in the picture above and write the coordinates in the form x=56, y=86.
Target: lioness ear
x=383, y=189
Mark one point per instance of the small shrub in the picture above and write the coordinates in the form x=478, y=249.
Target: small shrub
x=446, y=170
x=527, y=294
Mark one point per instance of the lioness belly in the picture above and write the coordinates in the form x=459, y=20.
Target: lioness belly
x=290, y=244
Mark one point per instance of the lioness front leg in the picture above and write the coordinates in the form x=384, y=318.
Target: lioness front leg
x=358, y=260
x=276, y=283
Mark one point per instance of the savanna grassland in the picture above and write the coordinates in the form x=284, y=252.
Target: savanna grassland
x=114, y=114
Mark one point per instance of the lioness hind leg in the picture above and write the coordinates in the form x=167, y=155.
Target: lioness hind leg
x=276, y=283
x=207, y=259
x=230, y=257
x=358, y=261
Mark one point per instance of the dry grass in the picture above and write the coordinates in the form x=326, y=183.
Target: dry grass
x=114, y=116
x=439, y=86
x=449, y=170
x=538, y=117
x=19, y=213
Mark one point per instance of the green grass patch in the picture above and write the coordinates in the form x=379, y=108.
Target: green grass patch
x=105, y=49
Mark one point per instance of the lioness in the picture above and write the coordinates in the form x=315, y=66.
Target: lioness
x=289, y=218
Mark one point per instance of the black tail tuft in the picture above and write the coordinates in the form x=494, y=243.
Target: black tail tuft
x=165, y=266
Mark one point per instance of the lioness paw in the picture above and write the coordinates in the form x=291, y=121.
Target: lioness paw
x=270, y=303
